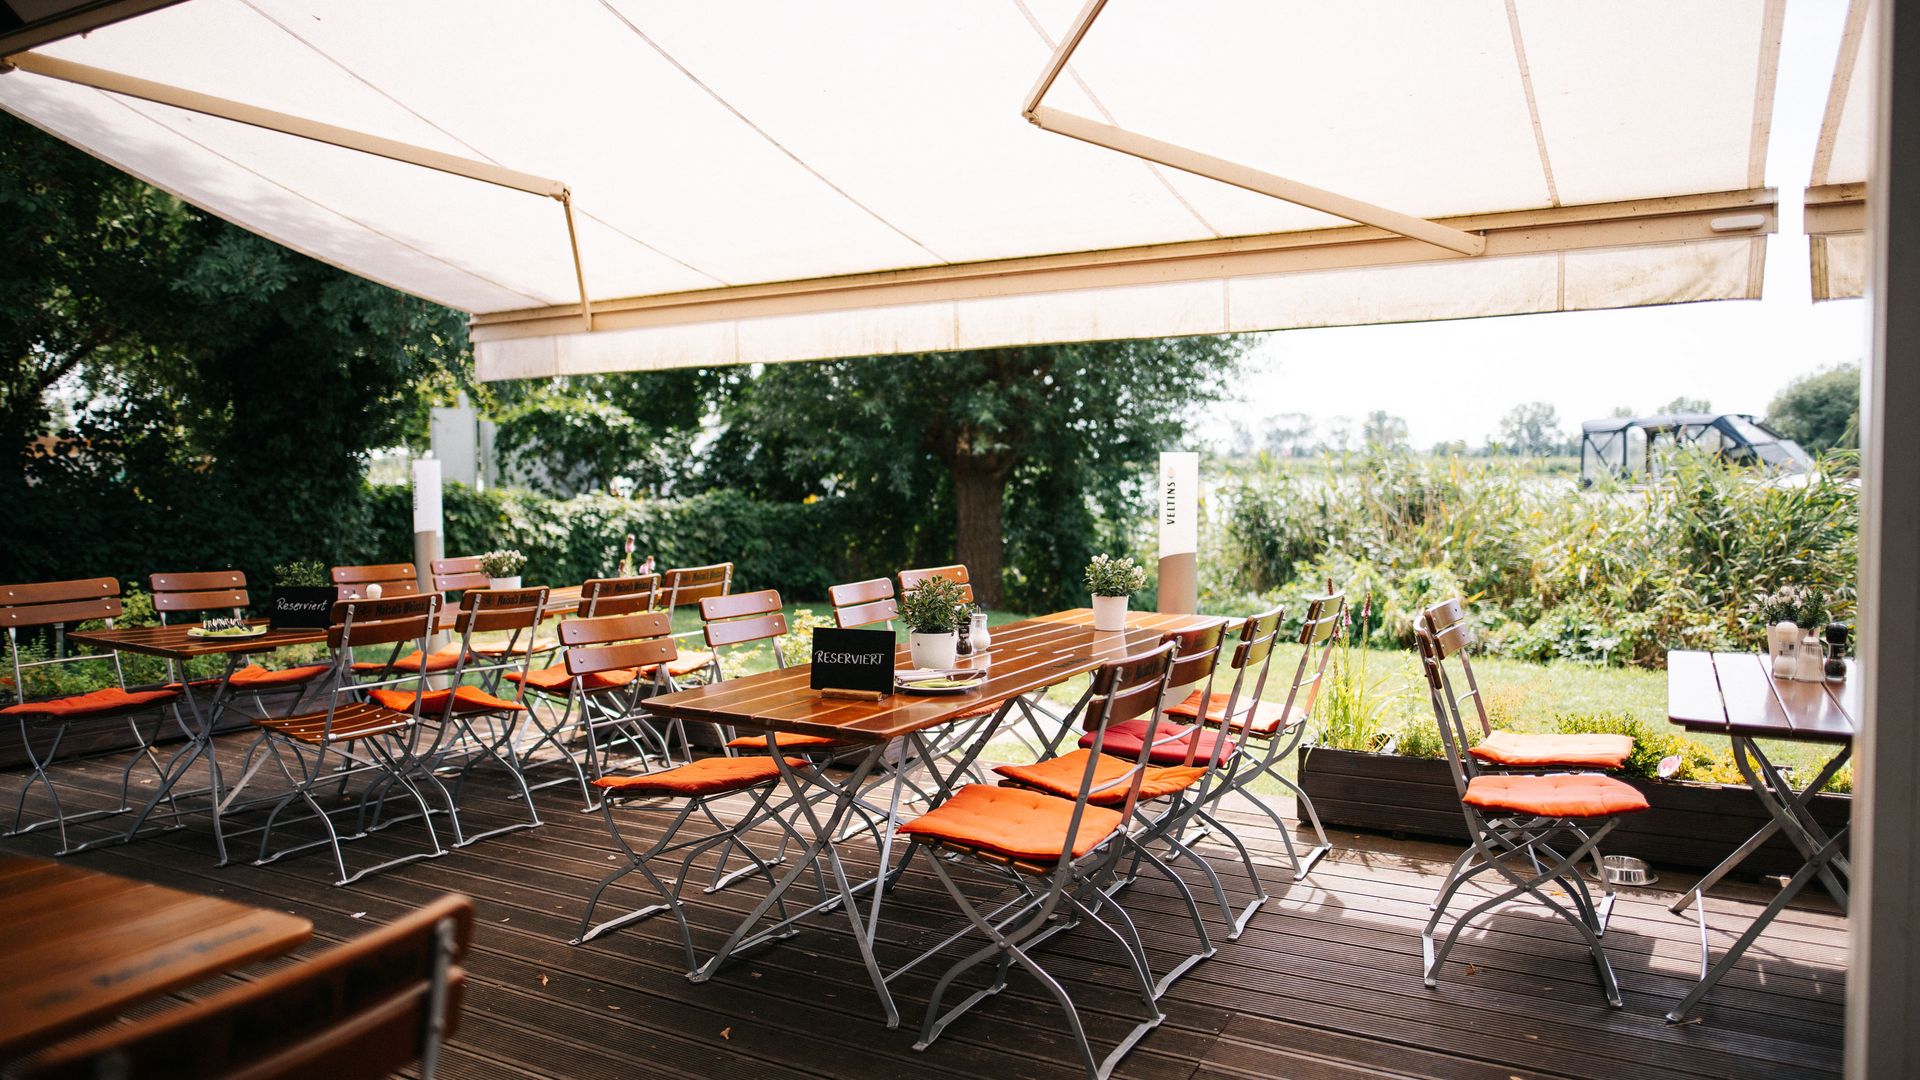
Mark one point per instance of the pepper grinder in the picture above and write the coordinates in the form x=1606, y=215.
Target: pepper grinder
x=1836, y=651
x=963, y=645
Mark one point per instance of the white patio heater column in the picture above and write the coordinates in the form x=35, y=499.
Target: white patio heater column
x=1178, y=508
x=428, y=519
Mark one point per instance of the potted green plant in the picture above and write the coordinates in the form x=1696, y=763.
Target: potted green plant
x=1112, y=581
x=302, y=596
x=1788, y=613
x=503, y=567
x=932, y=611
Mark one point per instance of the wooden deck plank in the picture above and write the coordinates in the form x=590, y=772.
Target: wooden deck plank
x=1325, y=982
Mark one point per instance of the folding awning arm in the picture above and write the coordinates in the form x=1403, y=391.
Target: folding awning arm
x=1227, y=172
x=332, y=135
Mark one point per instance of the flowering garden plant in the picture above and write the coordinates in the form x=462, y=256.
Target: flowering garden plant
x=1108, y=576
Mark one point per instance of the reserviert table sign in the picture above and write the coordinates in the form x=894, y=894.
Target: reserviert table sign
x=856, y=663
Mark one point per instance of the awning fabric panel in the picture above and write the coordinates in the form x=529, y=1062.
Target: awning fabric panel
x=746, y=143
x=1836, y=188
x=1448, y=289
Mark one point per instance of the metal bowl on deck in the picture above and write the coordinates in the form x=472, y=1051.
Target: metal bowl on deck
x=1624, y=870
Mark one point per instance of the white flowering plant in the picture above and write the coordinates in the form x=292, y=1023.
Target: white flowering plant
x=1108, y=576
x=503, y=563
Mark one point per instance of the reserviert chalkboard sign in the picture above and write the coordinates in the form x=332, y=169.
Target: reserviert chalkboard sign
x=853, y=660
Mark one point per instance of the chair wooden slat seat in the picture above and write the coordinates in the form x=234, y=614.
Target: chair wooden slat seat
x=350, y=722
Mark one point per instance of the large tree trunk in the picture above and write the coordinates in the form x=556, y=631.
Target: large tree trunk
x=979, y=496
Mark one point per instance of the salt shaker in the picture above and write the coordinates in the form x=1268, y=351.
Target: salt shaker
x=977, y=627
x=1810, y=660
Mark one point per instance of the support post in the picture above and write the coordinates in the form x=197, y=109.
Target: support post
x=1177, y=506
x=429, y=521
x=1883, y=977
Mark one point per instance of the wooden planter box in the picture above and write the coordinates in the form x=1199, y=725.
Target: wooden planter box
x=1691, y=826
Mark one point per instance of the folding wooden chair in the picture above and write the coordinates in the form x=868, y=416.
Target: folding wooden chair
x=749, y=619
x=1057, y=854
x=597, y=702
x=361, y=1011
x=470, y=725
x=1527, y=751
x=679, y=792
x=54, y=605
x=688, y=586
x=225, y=591
x=367, y=736
x=394, y=580
x=1515, y=822
x=1275, y=728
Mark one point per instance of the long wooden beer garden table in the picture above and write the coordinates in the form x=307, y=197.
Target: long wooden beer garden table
x=1024, y=657
x=1736, y=695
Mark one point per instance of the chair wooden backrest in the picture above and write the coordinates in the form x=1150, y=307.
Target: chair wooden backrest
x=57, y=604
x=1196, y=655
x=1440, y=633
x=619, y=596
x=397, y=621
x=362, y=1010
x=208, y=591
x=456, y=574
x=687, y=585
x=863, y=603
x=618, y=642
x=910, y=579
x=743, y=619
x=394, y=579
x=1319, y=633
x=1122, y=690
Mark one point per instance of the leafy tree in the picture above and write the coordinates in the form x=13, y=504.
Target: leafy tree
x=1384, y=431
x=1532, y=428
x=1040, y=453
x=220, y=392
x=577, y=434
x=1685, y=404
x=1820, y=411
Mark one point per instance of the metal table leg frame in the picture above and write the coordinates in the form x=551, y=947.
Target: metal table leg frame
x=199, y=746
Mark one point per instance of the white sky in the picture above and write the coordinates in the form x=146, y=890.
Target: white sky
x=1736, y=354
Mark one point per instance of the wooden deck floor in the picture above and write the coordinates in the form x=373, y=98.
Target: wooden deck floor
x=1325, y=983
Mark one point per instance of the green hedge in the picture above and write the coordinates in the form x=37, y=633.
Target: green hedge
x=794, y=547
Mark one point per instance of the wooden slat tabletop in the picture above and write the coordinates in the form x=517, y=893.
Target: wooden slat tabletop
x=174, y=643
x=1025, y=656
x=1736, y=694
x=81, y=946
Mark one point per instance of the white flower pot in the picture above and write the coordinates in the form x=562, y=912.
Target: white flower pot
x=504, y=582
x=933, y=650
x=1109, y=613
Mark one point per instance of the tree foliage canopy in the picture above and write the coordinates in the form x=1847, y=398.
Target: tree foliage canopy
x=1820, y=411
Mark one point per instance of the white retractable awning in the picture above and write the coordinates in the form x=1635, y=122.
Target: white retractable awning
x=1837, y=189
x=622, y=184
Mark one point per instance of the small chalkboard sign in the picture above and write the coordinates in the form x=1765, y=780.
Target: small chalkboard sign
x=853, y=660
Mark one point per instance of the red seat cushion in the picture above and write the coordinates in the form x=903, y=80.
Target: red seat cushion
x=97, y=703
x=708, y=776
x=554, y=680
x=1013, y=822
x=1124, y=740
x=1062, y=776
x=1572, y=795
x=1531, y=750
x=466, y=699
x=444, y=658
x=1265, y=718
x=787, y=742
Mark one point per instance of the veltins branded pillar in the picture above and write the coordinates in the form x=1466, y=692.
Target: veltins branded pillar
x=428, y=522
x=1177, y=505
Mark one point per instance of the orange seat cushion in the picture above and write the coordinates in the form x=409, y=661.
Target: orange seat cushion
x=1265, y=718
x=466, y=699
x=1013, y=822
x=685, y=664
x=1530, y=750
x=1062, y=776
x=1573, y=795
x=787, y=742
x=445, y=658
x=554, y=680
x=97, y=703
x=708, y=776
x=255, y=677
x=1124, y=740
